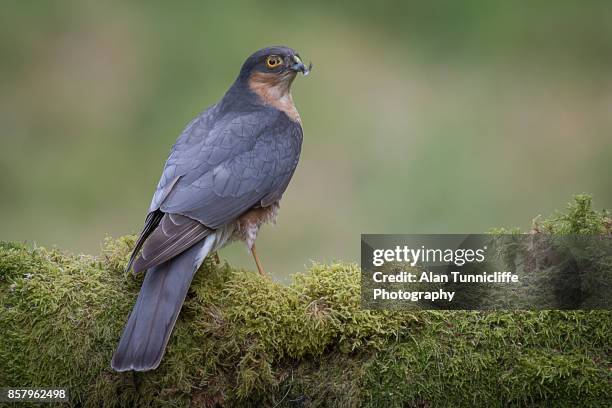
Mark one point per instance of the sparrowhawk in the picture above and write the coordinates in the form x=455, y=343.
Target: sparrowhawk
x=223, y=179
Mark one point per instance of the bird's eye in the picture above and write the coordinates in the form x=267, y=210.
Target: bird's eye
x=273, y=61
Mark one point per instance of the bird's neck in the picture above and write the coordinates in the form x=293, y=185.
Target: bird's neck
x=260, y=92
x=275, y=91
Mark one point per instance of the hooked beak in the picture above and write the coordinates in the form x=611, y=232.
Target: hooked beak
x=298, y=66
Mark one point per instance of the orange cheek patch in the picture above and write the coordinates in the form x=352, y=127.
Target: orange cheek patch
x=275, y=90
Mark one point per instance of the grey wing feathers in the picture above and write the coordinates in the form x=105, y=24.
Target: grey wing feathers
x=249, y=160
x=151, y=222
x=217, y=172
x=174, y=234
x=183, y=155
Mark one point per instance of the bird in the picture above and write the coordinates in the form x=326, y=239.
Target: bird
x=223, y=179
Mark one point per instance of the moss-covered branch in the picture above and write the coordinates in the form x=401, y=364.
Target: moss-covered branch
x=242, y=340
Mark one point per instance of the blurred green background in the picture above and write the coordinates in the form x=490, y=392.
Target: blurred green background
x=442, y=116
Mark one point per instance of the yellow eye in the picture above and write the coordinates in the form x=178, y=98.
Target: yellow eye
x=274, y=61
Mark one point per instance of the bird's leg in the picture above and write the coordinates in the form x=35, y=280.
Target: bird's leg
x=259, y=268
x=216, y=258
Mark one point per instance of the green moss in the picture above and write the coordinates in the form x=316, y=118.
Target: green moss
x=579, y=218
x=245, y=341
x=498, y=359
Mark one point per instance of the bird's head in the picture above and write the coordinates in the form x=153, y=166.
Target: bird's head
x=272, y=70
x=280, y=62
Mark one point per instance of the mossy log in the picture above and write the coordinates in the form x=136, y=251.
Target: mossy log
x=245, y=341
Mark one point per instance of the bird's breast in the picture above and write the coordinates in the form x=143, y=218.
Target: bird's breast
x=247, y=225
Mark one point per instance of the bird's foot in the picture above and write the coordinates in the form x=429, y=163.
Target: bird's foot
x=259, y=267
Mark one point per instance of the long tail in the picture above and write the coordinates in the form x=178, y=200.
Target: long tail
x=161, y=297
